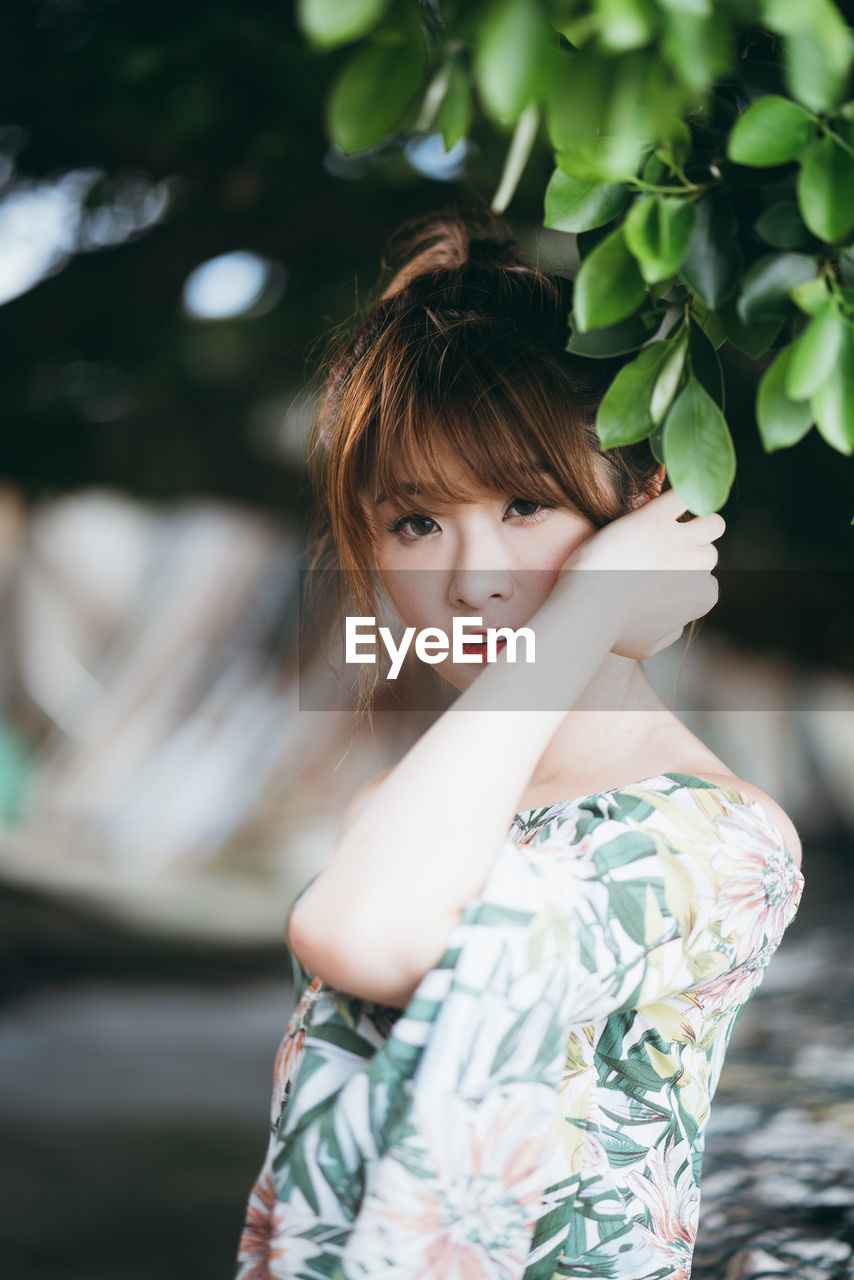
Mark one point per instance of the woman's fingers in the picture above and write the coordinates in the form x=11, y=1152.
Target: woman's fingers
x=671, y=505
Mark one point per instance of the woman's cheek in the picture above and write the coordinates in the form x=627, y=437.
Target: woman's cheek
x=403, y=592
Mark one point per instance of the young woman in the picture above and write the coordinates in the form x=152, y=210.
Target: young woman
x=519, y=971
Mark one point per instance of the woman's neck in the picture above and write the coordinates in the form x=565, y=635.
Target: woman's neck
x=619, y=731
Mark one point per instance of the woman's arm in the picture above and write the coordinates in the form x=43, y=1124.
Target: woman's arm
x=421, y=844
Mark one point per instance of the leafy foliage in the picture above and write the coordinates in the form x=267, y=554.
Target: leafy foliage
x=704, y=159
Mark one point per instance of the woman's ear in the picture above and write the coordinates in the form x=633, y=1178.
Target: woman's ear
x=654, y=488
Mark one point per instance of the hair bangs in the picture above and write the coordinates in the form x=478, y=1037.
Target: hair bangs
x=467, y=402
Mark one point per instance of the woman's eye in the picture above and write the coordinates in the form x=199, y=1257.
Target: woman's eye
x=415, y=521
x=528, y=502
x=422, y=526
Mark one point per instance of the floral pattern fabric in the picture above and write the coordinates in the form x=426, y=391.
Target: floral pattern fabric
x=538, y=1109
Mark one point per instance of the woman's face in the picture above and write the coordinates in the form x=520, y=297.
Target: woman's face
x=496, y=558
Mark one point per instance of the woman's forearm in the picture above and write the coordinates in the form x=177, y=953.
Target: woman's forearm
x=423, y=843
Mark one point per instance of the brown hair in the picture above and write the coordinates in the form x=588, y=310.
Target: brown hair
x=466, y=341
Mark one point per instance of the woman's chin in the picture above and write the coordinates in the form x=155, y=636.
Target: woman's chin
x=460, y=677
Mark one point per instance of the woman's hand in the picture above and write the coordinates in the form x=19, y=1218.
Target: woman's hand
x=645, y=546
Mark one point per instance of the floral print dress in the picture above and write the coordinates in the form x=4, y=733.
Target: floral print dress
x=538, y=1109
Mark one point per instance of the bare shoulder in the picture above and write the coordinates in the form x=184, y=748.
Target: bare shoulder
x=360, y=798
x=775, y=811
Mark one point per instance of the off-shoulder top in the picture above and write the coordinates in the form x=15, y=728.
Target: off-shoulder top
x=538, y=1109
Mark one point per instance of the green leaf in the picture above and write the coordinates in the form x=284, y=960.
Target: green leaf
x=705, y=364
x=826, y=190
x=676, y=148
x=811, y=296
x=328, y=23
x=513, y=58
x=655, y=171
x=697, y=46
x=782, y=422
x=668, y=379
x=600, y=124
x=815, y=353
x=577, y=206
x=658, y=229
x=373, y=93
x=817, y=49
x=627, y=335
x=698, y=449
x=709, y=321
x=712, y=261
x=623, y=416
x=655, y=444
x=753, y=339
x=782, y=227
x=771, y=131
x=811, y=77
x=578, y=104
x=608, y=286
x=846, y=264
x=453, y=118
x=833, y=403
x=625, y=24
x=766, y=287
x=578, y=30
x=608, y=158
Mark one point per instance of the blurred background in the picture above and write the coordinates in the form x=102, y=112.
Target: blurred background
x=178, y=244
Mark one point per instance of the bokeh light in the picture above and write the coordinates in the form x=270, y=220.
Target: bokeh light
x=233, y=284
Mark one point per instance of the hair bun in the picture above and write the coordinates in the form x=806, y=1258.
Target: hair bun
x=466, y=266
x=432, y=243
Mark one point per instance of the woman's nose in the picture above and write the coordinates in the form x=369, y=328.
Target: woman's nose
x=481, y=567
x=472, y=588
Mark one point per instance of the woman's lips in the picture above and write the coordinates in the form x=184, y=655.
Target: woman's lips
x=473, y=647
